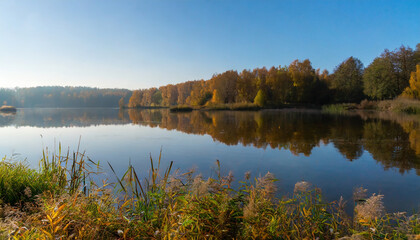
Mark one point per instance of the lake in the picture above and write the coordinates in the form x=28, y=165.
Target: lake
x=336, y=153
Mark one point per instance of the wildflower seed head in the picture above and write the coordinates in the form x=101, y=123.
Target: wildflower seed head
x=371, y=209
x=302, y=186
x=266, y=184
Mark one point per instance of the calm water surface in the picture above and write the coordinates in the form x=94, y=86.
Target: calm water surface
x=380, y=152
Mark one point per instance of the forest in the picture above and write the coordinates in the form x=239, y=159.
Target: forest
x=391, y=74
x=62, y=97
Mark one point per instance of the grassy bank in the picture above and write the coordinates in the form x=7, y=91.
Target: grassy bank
x=233, y=106
x=409, y=106
x=339, y=108
x=398, y=105
x=168, y=204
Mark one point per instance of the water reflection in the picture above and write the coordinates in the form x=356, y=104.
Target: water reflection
x=392, y=140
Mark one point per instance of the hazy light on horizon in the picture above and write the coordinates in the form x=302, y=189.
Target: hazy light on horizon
x=140, y=44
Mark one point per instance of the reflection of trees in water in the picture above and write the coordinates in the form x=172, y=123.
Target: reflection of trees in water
x=346, y=135
x=61, y=117
x=7, y=118
x=390, y=143
x=393, y=140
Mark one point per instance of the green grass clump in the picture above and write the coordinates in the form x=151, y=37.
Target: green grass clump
x=56, y=174
x=19, y=183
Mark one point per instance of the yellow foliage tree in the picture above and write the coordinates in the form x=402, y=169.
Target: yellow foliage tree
x=216, y=97
x=413, y=91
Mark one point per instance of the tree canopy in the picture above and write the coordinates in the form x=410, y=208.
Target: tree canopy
x=347, y=81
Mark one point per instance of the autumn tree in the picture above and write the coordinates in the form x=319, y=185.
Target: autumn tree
x=135, y=99
x=261, y=80
x=413, y=90
x=200, y=93
x=169, y=95
x=184, y=91
x=216, y=98
x=121, y=103
x=246, y=86
x=157, y=98
x=260, y=99
x=303, y=77
x=324, y=76
x=147, y=95
x=225, y=84
x=280, y=85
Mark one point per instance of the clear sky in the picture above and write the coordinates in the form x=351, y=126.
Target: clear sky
x=139, y=44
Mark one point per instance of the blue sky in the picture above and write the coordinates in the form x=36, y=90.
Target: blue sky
x=140, y=44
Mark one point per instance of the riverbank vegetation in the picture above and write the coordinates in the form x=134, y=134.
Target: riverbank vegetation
x=397, y=105
x=168, y=204
x=386, y=78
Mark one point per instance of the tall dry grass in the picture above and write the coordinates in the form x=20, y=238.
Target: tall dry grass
x=167, y=204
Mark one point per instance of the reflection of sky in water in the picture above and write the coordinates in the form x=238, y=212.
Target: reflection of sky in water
x=117, y=144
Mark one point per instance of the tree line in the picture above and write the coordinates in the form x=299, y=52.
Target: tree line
x=387, y=77
x=62, y=97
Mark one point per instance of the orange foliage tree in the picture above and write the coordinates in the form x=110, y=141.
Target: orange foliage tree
x=413, y=90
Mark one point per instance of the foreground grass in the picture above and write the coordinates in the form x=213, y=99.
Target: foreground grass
x=173, y=205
